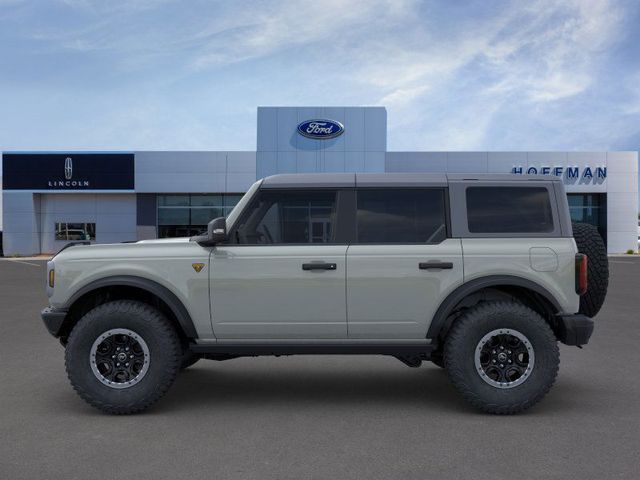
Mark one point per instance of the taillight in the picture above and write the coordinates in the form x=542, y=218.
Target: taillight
x=581, y=273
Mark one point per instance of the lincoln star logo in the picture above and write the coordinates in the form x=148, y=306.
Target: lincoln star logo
x=321, y=129
x=197, y=267
x=68, y=175
x=68, y=168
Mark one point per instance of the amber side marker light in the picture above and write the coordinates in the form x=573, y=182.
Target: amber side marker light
x=52, y=277
x=581, y=273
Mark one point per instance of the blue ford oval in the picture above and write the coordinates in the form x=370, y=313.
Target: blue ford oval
x=320, y=129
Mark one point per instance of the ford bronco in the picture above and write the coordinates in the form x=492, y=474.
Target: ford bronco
x=480, y=274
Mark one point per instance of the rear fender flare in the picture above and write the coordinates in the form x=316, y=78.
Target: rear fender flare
x=439, y=321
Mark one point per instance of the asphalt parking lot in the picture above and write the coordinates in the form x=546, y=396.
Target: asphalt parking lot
x=318, y=417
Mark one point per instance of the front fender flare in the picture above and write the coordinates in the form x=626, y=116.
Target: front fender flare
x=160, y=291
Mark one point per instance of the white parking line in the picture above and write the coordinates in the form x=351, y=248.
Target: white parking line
x=22, y=261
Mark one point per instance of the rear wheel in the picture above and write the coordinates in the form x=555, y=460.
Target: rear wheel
x=437, y=358
x=122, y=356
x=502, y=357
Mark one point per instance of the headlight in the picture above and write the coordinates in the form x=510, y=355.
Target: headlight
x=52, y=277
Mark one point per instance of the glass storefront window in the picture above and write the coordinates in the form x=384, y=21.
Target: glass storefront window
x=171, y=231
x=184, y=215
x=174, y=216
x=202, y=216
x=589, y=208
x=75, y=231
x=173, y=200
x=230, y=200
x=206, y=200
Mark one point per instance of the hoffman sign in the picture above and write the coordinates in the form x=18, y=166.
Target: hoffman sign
x=321, y=129
x=569, y=174
x=68, y=171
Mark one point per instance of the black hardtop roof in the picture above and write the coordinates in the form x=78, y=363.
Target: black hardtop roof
x=346, y=180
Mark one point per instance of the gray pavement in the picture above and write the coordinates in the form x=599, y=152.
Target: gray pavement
x=318, y=417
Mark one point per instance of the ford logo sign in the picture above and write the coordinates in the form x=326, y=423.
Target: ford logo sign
x=320, y=129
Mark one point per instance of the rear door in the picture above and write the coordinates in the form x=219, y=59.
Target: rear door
x=402, y=263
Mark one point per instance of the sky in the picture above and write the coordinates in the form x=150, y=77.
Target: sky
x=453, y=75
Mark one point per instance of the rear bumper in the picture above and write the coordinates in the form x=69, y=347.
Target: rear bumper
x=53, y=320
x=574, y=329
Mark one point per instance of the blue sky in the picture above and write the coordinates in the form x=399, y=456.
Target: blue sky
x=479, y=75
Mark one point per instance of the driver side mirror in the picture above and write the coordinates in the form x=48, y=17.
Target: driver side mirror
x=216, y=233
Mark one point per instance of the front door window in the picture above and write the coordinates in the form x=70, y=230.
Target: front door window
x=288, y=217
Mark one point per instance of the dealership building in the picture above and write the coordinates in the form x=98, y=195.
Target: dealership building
x=51, y=198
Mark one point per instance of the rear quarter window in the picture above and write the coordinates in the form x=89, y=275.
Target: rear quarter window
x=509, y=210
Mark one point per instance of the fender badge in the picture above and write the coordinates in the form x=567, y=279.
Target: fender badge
x=197, y=267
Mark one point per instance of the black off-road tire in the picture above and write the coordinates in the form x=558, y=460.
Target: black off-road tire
x=188, y=359
x=165, y=356
x=589, y=242
x=437, y=358
x=463, y=340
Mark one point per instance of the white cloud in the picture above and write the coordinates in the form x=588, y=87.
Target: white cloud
x=531, y=58
x=552, y=56
x=251, y=34
x=402, y=96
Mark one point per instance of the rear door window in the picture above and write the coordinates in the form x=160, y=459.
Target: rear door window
x=509, y=210
x=401, y=215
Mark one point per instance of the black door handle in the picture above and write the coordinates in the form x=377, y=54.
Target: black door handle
x=435, y=265
x=319, y=266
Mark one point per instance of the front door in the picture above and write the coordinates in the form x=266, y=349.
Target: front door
x=282, y=275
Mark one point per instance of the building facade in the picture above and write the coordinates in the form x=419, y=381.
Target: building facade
x=52, y=198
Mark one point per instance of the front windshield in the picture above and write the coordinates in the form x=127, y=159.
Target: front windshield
x=233, y=215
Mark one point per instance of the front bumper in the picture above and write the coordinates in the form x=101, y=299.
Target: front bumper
x=53, y=319
x=574, y=329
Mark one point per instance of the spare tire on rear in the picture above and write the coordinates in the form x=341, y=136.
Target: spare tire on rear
x=591, y=244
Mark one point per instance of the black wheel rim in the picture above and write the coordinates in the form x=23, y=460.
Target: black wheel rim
x=504, y=358
x=119, y=358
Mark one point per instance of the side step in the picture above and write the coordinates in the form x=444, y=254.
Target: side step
x=407, y=350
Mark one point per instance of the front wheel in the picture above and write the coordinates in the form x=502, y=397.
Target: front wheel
x=188, y=358
x=502, y=357
x=122, y=356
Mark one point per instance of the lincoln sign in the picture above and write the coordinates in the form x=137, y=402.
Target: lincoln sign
x=68, y=171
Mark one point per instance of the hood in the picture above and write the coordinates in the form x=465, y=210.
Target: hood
x=165, y=240
x=140, y=248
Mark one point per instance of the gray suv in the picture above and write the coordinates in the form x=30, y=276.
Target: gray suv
x=479, y=274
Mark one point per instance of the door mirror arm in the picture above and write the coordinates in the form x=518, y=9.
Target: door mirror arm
x=216, y=233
